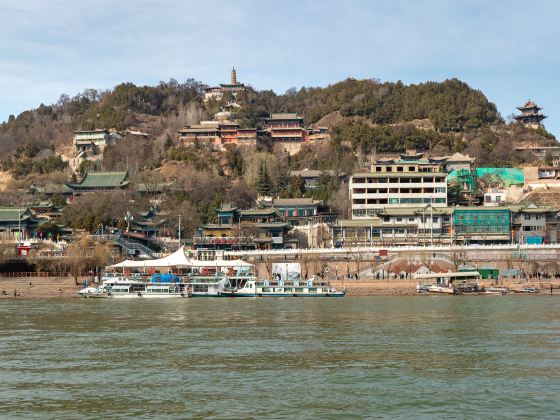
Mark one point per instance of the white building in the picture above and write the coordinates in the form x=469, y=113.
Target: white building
x=495, y=198
x=397, y=183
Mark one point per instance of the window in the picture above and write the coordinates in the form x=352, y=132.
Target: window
x=389, y=168
x=399, y=219
x=386, y=219
x=399, y=168
x=411, y=219
x=411, y=169
x=378, y=169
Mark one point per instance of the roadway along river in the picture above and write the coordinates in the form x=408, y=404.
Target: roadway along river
x=283, y=358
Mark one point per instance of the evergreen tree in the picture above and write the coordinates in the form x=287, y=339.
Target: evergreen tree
x=263, y=184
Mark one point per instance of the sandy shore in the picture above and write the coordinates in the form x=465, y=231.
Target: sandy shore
x=408, y=287
x=66, y=287
x=38, y=287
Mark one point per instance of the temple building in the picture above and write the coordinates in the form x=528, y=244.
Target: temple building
x=217, y=92
x=90, y=143
x=285, y=127
x=530, y=115
x=217, y=133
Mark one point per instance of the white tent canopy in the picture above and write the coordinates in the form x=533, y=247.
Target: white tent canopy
x=179, y=259
x=221, y=263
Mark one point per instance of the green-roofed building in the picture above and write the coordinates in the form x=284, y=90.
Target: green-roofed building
x=244, y=229
x=100, y=181
x=16, y=219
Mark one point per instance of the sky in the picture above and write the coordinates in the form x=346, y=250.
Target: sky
x=507, y=49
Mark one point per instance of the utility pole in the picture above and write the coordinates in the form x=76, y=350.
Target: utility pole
x=431, y=226
x=179, y=231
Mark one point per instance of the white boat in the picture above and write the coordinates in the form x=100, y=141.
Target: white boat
x=102, y=291
x=449, y=283
x=279, y=288
x=495, y=291
x=441, y=289
x=162, y=286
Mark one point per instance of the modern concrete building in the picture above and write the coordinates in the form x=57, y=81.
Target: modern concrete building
x=397, y=183
x=394, y=226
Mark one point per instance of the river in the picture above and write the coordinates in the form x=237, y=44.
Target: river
x=353, y=357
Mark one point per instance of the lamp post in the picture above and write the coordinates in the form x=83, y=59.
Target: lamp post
x=512, y=213
x=431, y=226
x=128, y=218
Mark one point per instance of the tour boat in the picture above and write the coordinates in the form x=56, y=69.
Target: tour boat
x=102, y=291
x=162, y=286
x=280, y=288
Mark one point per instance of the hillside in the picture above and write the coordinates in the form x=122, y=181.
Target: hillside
x=366, y=117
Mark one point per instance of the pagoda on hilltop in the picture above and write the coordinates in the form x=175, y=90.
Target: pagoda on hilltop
x=233, y=86
x=530, y=115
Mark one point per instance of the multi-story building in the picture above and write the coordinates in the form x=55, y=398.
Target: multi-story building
x=89, y=143
x=450, y=225
x=397, y=183
x=396, y=226
x=244, y=229
x=285, y=127
x=534, y=225
x=217, y=132
x=481, y=225
x=301, y=211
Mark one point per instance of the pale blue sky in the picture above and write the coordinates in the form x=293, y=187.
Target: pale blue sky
x=508, y=49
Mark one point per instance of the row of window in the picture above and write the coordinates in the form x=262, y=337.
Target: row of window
x=399, y=180
x=461, y=229
x=389, y=168
x=411, y=200
x=399, y=190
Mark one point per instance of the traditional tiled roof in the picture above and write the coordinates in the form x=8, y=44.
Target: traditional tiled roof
x=291, y=202
x=101, y=180
x=217, y=226
x=459, y=157
x=284, y=116
x=14, y=214
x=226, y=207
x=313, y=173
x=257, y=212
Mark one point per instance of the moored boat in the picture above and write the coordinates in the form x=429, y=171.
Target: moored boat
x=280, y=288
x=161, y=286
x=449, y=283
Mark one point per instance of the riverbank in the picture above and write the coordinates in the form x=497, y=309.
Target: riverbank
x=38, y=287
x=408, y=287
x=48, y=287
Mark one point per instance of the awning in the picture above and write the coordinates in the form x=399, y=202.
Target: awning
x=178, y=259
